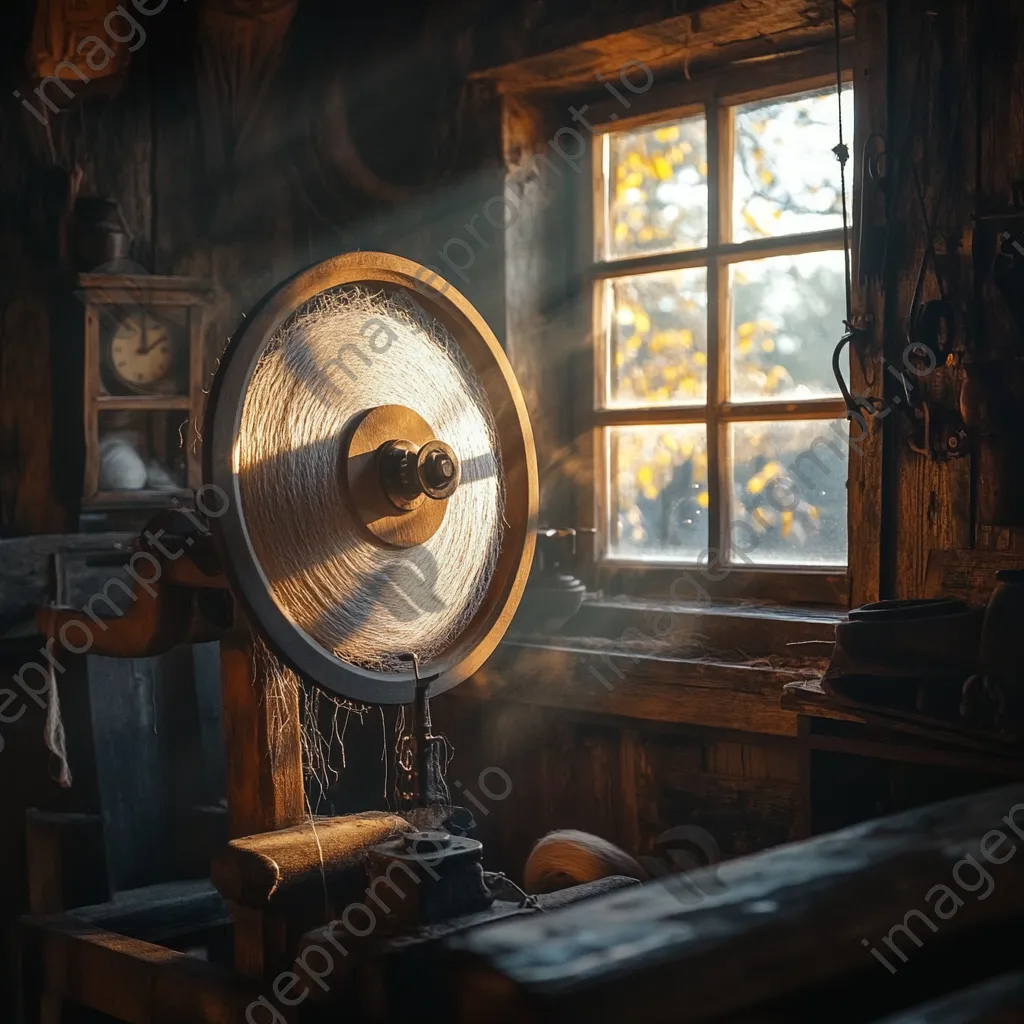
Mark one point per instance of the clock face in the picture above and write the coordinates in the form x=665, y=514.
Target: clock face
x=141, y=352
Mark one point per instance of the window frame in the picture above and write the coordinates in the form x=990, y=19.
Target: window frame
x=715, y=96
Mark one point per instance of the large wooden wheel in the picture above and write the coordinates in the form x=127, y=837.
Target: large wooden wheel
x=251, y=583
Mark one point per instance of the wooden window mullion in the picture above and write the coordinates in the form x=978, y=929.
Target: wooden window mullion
x=717, y=314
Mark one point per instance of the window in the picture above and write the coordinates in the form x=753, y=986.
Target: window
x=719, y=296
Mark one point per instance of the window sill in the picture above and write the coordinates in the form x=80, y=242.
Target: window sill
x=730, y=631
x=828, y=588
x=658, y=680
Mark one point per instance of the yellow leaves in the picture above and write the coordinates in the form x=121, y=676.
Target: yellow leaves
x=813, y=513
x=700, y=359
x=787, y=523
x=755, y=485
x=702, y=168
x=744, y=346
x=662, y=169
x=703, y=499
x=621, y=232
x=634, y=198
x=745, y=330
x=642, y=322
x=645, y=479
x=669, y=133
x=776, y=376
x=766, y=177
x=645, y=235
x=768, y=345
x=686, y=339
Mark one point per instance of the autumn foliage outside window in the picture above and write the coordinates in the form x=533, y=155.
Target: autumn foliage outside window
x=719, y=297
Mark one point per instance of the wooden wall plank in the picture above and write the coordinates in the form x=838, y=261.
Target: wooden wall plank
x=871, y=104
x=931, y=497
x=999, y=114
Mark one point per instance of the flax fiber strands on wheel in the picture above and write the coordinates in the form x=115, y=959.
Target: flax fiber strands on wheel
x=346, y=351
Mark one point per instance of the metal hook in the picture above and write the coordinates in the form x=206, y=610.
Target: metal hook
x=854, y=403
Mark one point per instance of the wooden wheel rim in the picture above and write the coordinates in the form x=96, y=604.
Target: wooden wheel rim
x=226, y=401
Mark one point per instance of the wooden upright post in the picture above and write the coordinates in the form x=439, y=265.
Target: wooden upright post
x=262, y=741
x=263, y=747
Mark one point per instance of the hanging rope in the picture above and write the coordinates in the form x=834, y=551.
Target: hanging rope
x=854, y=404
x=842, y=152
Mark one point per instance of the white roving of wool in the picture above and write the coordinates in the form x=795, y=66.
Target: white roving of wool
x=344, y=352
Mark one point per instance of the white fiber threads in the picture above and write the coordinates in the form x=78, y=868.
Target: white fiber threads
x=54, y=735
x=343, y=353
x=281, y=691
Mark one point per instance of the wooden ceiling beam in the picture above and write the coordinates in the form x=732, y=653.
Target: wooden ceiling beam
x=722, y=33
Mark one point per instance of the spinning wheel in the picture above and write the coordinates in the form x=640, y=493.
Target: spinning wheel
x=370, y=488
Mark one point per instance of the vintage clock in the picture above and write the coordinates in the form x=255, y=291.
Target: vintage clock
x=143, y=387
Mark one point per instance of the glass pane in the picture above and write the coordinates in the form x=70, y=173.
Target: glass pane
x=785, y=175
x=787, y=317
x=658, y=338
x=789, y=493
x=658, y=492
x=658, y=189
x=142, y=451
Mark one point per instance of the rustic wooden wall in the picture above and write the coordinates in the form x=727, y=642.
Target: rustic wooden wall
x=628, y=781
x=956, y=116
